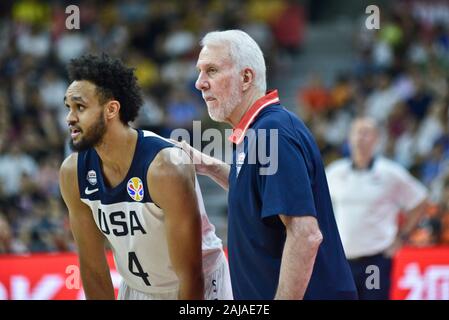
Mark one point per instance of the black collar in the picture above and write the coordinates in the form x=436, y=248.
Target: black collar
x=368, y=168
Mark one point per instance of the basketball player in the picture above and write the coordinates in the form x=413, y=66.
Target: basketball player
x=137, y=191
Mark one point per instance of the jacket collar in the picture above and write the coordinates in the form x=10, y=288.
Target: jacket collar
x=239, y=131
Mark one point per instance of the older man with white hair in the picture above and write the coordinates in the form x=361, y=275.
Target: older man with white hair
x=282, y=237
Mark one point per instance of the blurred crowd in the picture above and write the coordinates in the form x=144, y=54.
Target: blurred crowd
x=401, y=79
x=159, y=38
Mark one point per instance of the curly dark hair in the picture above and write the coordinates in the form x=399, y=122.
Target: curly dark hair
x=113, y=81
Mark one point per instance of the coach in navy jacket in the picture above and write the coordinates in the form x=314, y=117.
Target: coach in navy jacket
x=283, y=240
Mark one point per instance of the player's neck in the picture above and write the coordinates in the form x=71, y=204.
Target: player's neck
x=117, y=148
x=247, y=101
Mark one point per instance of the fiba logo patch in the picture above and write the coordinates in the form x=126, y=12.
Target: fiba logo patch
x=135, y=189
x=92, y=177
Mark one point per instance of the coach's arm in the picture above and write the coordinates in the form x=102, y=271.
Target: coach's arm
x=301, y=246
x=90, y=241
x=171, y=183
x=206, y=165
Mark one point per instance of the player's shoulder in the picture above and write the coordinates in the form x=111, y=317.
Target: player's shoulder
x=170, y=162
x=68, y=175
x=150, y=144
x=150, y=134
x=70, y=164
x=161, y=151
x=170, y=171
x=150, y=138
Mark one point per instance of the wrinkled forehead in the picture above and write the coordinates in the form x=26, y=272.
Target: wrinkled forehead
x=81, y=89
x=214, y=55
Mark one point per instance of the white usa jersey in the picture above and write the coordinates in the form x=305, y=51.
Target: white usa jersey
x=133, y=224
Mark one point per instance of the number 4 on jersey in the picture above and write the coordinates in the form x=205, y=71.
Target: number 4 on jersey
x=133, y=261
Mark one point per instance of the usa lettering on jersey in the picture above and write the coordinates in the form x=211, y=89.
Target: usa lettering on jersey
x=119, y=223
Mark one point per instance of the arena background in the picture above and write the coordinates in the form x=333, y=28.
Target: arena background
x=327, y=66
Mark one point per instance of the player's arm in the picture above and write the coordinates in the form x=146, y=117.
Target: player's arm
x=171, y=182
x=90, y=241
x=206, y=165
x=301, y=246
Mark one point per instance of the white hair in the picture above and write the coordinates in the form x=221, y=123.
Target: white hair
x=244, y=52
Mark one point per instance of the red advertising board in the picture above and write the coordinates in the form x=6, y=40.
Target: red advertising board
x=418, y=274
x=44, y=277
x=421, y=274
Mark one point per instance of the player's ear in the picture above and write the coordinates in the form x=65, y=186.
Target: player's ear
x=248, y=78
x=112, y=109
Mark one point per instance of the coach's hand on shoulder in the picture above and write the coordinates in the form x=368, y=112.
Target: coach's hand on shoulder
x=207, y=165
x=199, y=159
